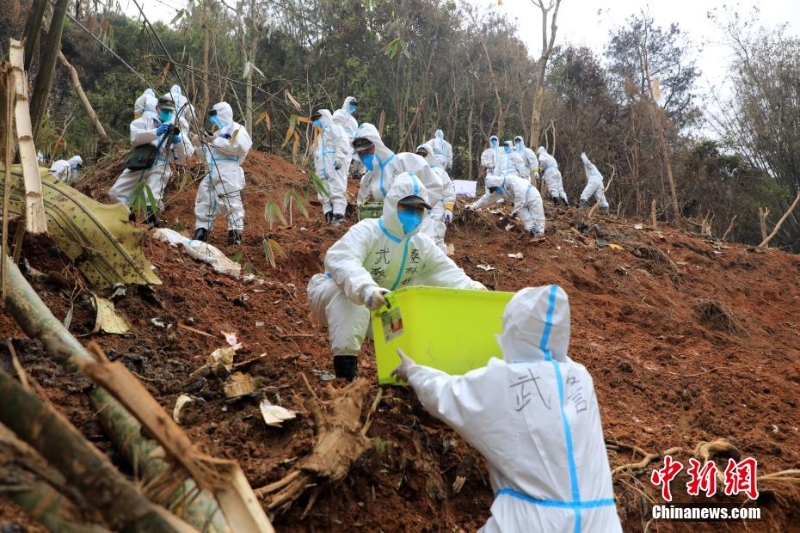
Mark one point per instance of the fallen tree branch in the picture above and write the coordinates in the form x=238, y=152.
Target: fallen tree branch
x=87, y=106
x=788, y=212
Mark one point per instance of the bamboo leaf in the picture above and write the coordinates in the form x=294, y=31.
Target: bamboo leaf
x=291, y=99
x=177, y=17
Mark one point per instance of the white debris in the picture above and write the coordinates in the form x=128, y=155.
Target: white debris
x=275, y=415
x=486, y=267
x=182, y=400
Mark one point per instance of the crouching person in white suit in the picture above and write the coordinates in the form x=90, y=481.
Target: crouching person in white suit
x=376, y=256
x=534, y=417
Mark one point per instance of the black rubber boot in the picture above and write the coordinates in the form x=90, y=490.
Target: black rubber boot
x=565, y=202
x=329, y=217
x=234, y=237
x=201, y=234
x=152, y=218
x=346, y=366
x=556, y=201
x=338, y=220
x=582, y=204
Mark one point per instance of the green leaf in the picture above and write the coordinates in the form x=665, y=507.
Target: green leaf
x=177, y=17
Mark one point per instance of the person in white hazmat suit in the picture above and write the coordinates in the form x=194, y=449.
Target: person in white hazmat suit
x=491, y=156
x=220, y=191
x=442, y=151
x=344, y=117
x=146, y=102
x=594, y=185
x=331, y=159
x=67, y=170
x=529, y=160
x=534, y=417
x=528, y=205
x=182, y=104
x=444, y=209
x=157, y=128
x=374, y=257
x=552, y=177
x=383, y=166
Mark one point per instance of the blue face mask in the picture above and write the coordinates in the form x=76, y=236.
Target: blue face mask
x=352, y=109
x=317, y=123
x=368, y=160
x=506, y=148
x=165, y=115
x=410, y=219
x=494, y=143
x=217, y=122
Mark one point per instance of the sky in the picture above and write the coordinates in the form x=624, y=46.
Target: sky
x=588, y=22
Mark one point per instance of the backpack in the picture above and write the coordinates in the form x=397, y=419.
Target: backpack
x=142, y=157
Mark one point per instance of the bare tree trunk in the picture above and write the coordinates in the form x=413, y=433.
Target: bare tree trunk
x=44, y=78
x=411, y=126
x=763, y=212
x=87, y=106
x=205, y=96
x=33, y=27
x=541, y=66
x=788, y=212
x=730, y=228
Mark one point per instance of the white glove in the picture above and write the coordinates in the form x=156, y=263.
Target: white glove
x=373, y=297
x=469, y=207
x=448, y=216
x=406, y=364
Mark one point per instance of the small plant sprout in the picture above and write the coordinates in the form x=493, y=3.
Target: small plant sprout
x=273, y=212
x=291, y=199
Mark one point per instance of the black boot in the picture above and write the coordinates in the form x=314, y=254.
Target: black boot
x=201, y=234
x=338, y=220
x=565, y=202
x=346, y=366
x=329, y=217
x=581, y=204
x=234, y=237
x=152, y=218
x=132, y=217
x=556, y=201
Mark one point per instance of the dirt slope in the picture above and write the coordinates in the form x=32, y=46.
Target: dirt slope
x=688, y=340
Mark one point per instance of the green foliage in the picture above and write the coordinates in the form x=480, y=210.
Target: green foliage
x=141, y=197
x=291, y=200
x=272, y=251
x=271, y=213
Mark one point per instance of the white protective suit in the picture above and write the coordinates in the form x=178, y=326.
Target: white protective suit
x=344, y=117
x=504, y=161
x=529, y=160
x=534, y=417
x=527, y=201
x=552, y=176
x=377, y=253
x=491, y=156
x=66, y=171
x=221, y=189
x=146, y=102
x=442, y=151
x=594, y=186
x=376, y=183
x=443, y=210
x=332, y=150
x=184, y=109
x=143, y=131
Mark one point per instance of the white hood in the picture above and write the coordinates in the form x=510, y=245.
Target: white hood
x=369, y=131
x=75, y=160
x=325, y=117
x=406, y=184
x=224, y=112
x=536, y=325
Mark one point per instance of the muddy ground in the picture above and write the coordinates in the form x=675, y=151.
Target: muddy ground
x=689, y=340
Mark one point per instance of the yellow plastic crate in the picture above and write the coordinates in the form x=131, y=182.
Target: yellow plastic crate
x=449, y=329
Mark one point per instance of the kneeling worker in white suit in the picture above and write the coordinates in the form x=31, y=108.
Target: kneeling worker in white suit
x=374, y=257
x=534, y=417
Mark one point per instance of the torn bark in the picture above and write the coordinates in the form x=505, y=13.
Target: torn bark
x=341, y=440
x=182, y=497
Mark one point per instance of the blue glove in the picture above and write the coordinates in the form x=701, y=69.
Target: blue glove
x=177, y=139
x=449, y=170
x=162, y=129
x=226, y=135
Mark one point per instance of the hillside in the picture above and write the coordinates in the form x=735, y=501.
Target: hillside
x=688, y=341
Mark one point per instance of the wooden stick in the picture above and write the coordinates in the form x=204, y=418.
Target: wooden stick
x=730, y=228
x=87, y=106
x=780, y=222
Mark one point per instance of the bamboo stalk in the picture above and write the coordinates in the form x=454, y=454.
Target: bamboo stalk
x=125, y=431
x=788, y=212
x=35, y=219
x=84, y=467
x=223, y=477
